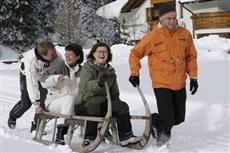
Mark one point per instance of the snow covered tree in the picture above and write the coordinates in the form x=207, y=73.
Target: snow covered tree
x=17, y=23
x=102, y=28
x=23, y=22
x=44, y=13
x=77, y=22
x=67, y=23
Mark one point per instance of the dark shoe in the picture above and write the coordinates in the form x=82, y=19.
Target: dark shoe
x=162, y=139
x=60, y=142
x=86, y=142
x=155, y=121
x=33, y=126
x=60, y=135
x=11, y=122
x=131, y=140
x=154, y=132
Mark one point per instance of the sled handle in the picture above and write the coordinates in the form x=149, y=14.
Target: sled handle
x=143, y=99
x=148, y=122
x=109, y=107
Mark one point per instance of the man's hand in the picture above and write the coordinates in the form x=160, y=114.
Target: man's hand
x=193, y=86
x=38, y=109
x=103, y=77
x=135, y=80
x=61, y=78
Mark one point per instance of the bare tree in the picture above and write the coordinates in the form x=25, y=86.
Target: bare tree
x=66, y=24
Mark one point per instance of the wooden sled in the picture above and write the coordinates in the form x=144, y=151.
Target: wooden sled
x=148, y=125
x=107, y=122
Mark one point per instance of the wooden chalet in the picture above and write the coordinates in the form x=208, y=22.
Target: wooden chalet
x=200, y=17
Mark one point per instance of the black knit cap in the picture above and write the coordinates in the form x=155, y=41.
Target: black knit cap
x=165, y=9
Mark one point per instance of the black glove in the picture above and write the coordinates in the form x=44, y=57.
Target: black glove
x=193, y=86
x=102, y=78
x=134, y=80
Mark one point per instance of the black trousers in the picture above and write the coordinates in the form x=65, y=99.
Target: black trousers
x=25, y=103
x=120, y=110
x=171, y=106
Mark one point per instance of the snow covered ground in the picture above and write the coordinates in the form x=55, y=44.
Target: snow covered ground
x=206, y=129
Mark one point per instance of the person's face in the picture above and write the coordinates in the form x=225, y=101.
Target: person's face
x=71, y=57
x=101, y=55
x=170, y=22
x=51, y=54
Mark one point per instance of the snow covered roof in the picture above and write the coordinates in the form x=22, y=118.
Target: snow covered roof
x=206, y=5
x=111, y=10
x=185, y=1
x=189, y=1
x=131, y=4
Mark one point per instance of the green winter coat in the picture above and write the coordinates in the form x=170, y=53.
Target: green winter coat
x=89, y=90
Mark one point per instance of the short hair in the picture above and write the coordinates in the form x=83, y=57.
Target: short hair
x=77, y=49
x=43, y=47
x=94, y=48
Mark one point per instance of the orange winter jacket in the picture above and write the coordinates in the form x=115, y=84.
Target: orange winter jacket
x=171, y=55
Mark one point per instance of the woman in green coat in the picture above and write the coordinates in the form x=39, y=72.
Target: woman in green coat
x=92, y=101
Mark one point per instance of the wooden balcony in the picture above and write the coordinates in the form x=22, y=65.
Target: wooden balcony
x=211, y=20
x=161, y=1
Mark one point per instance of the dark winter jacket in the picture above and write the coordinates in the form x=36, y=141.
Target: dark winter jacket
x=89, y=89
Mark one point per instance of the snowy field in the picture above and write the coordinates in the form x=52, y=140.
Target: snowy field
x=206, y=129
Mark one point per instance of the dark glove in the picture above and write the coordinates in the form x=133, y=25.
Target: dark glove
x=102, y=78
x=134, y=80
x=193, y=86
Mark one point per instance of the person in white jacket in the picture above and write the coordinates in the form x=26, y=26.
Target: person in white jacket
x=62, y=86
x=34, y=64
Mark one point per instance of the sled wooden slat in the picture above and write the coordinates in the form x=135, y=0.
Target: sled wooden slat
x=76, y=117
x=140, y=117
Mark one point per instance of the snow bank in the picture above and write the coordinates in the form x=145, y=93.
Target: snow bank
x=212, y=47
x=7, y=54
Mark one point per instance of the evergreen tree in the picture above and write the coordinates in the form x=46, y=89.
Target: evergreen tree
x=44, y=14
x=93, y=25
x=17, y=23
x=23, y=22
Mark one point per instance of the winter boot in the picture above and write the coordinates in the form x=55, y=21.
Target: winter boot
x=162, y=139
x=11, y=121
x=60, y=135
x=33, y=126
x=62, y=130
x=129, y=141
x=155, y=122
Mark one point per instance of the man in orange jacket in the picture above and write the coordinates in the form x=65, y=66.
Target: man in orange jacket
x=171, y=57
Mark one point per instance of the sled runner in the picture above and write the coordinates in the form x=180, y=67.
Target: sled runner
x=107, y=124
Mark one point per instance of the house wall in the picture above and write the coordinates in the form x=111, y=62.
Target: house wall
x=186, y=21
x=136, y=21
